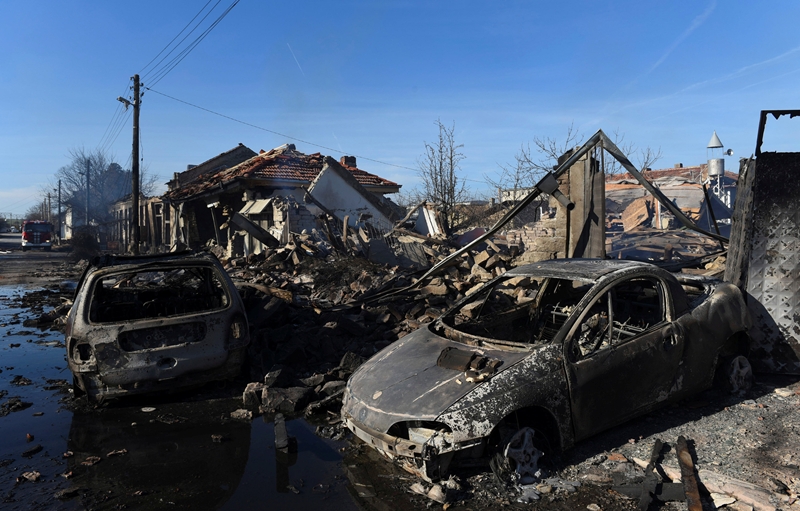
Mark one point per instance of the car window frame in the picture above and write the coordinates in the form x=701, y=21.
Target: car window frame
x=96, y=279
x=572, y=337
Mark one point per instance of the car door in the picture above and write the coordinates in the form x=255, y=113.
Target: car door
x=623, y=355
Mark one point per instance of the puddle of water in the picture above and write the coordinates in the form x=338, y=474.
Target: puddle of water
x=182, y=455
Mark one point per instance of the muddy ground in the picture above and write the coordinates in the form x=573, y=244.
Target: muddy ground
x=751, y=438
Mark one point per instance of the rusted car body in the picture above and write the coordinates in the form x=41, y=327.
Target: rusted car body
x=545, y=355
x=148, y=323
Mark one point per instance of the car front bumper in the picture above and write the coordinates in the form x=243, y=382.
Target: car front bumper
x=420, y=459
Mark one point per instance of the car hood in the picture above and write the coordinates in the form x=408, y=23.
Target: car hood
x=403, y=382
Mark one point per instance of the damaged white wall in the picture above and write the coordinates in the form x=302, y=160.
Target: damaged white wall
x=342, y=198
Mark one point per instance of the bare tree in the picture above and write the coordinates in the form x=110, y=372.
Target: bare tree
x=438, y=169
x=514, y=180
x=532, y=163
x=108, y=182
x=643, y=159
x=36, y=212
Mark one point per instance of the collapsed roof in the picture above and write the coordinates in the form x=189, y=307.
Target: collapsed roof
x=283, y=166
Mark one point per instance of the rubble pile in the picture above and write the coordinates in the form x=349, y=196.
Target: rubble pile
x=314, y=318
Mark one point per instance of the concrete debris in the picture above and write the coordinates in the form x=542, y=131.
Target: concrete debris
x=68, y=493
x=31, y=476
x=288, y=400
x=242, y=415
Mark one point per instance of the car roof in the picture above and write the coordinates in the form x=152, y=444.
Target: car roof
x=576, y=269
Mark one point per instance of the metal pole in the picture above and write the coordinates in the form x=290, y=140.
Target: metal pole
x=135, y=168
x=59, y=211
x=88, y=166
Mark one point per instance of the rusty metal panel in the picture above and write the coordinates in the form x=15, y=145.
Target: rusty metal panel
x=738, y=261
x=764, y=257
x=773, y=272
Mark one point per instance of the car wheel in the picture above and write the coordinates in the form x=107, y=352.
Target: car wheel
x=24, y=249
x=517, y=458
x=735, y=374
x=740, y=374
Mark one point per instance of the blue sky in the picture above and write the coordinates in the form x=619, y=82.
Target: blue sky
x=371, y=78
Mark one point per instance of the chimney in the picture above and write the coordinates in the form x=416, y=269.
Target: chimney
x=190, y=166
x=348, y=161
x=679, y=165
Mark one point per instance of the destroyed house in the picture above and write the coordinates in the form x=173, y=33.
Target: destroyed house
x=684, y=186
x=221, y=161
x=264, y=198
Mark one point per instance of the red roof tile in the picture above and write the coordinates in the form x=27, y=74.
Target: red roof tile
x=280, y=164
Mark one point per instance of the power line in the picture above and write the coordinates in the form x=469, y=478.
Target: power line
x=165, y=70
x=142, y=72
x=25, y=199
x=278, y=133
x=121, y=114
x=121, y=127
x=112, y=125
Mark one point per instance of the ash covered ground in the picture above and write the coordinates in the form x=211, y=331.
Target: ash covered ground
x=745, y=446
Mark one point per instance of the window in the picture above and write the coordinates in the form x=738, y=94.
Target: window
x=148, y=294
x=623, y=312
x=520, y=309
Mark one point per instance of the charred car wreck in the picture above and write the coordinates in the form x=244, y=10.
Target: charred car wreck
x=146, y=323
x=544, y=356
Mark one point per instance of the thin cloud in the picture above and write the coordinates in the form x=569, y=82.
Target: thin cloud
x=725, y=95
x=295, y=59
x=698, y=85
x=696, y=23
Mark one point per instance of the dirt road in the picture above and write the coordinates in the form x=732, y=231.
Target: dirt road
x=33, y=267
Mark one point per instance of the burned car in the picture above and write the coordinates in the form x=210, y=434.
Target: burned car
x=541, y=357
x=146, y=323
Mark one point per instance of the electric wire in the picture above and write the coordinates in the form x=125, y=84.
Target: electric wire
x=111, y=122
x=115, y=131
x=121, y=127
x=178, y=35
x=156, y=69
x=115, y=119
x=278, y=133
x=121, y=113
x=186, y=51
x=24, y=199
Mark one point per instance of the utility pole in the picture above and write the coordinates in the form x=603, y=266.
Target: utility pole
x=59, y=212
x=49, y=208
x=88, y=166
x=134, y=164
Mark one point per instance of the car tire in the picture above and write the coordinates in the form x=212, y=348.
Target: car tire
x=734, y=374
x=24, y=249
x=516, y=459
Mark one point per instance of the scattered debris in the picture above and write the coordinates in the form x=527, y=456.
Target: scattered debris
x=242, y=415
x=69, y=493
x=20, y=380
x=31, y=476
x=31, y=451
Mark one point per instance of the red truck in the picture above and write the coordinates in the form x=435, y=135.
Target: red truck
x=37, y=234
